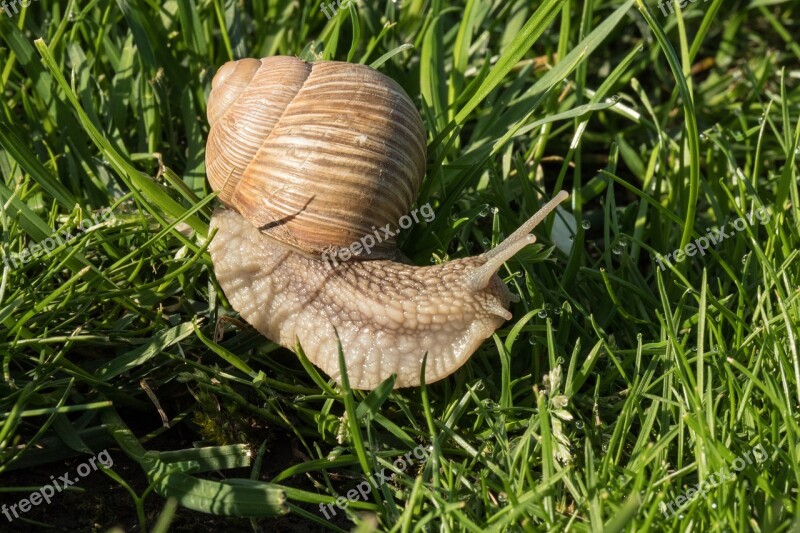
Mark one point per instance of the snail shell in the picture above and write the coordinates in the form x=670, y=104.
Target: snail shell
x=316, y=155
x=313, y=157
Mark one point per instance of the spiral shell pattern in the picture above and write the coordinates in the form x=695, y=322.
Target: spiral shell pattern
x=316, y=155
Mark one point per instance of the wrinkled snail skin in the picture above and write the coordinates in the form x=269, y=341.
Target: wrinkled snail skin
x=388, y=314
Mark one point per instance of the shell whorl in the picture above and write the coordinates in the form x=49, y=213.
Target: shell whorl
x=316, y=155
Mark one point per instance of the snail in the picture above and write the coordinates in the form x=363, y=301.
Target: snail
x=310, y=158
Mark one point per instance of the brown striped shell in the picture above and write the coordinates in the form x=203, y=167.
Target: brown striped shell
x=316, y=155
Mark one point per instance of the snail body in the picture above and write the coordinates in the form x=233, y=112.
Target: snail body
x=311, y=158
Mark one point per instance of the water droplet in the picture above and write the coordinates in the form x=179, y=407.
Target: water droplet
x=560, y=360
x=484, y=211
x=486, y=242
x=680, y=516
x=531, y=341
x=605, y=446
x=480, y=386
x=557, y=311
x=641, y=49
x=586, y=224
x=744, y=258
x=542, y=313
x=613, y=100
x=495, y=210
x=703, y=137
x=518, y=274
x=617, y=249
x=761, y=119
x=572, y=237
x=713, y=505
x=579, y=424
x=623, y=241
x=433, y=260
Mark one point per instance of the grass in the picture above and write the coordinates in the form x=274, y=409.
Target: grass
x=616, y=388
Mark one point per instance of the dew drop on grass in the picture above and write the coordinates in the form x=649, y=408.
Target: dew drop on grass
x=484, y=211
x=586, y=224
x=641, y=49
x=557, y=311
x=560, y=360
x=532, y=341
x=713, y=505
x=579, y=424
x=617, y=249
x=542, y=313
x=623, y=242
x=703, y=137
